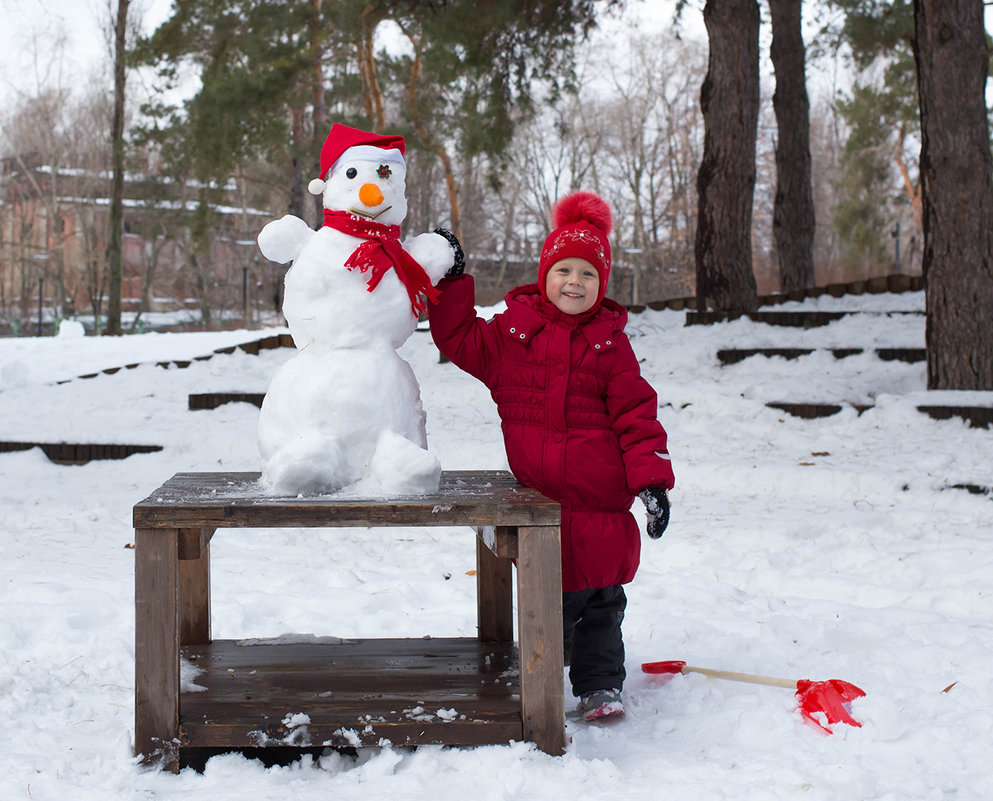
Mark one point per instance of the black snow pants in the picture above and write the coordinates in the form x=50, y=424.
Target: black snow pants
x=591, y=630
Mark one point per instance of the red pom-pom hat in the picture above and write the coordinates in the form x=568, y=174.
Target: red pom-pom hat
x=581, y=224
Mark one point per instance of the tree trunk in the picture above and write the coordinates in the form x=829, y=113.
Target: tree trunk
x=372, y=94
x=297, y=162
x=319, y=124
x=116, y=245
x=952, y=62
x=729, y=100
x=793, y=210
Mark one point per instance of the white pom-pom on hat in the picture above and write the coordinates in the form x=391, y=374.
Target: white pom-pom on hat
x=316, y=187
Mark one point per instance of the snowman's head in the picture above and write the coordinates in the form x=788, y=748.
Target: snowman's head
x=364, y=173
x=375, y=190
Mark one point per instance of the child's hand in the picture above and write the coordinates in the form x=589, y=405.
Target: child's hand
x=656, y=502
x=459, y=266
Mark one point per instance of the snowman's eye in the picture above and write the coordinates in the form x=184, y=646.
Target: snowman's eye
x=351, y=172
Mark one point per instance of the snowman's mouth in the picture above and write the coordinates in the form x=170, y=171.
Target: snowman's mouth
x=367, y=215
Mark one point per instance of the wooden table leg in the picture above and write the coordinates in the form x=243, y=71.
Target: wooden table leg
x=494, y=595
x=539, y=632
x=156, y=653
x=194, y=586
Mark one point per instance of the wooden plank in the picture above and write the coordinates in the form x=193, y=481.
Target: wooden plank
x=539, y=605
x=194, y=589
x=11, y=447
x=79, y=453
x=734, y=355
x=810, y=411
x=728, y=356
x=799, y=319
x=191, y=543
x=807, y=411
x=156, y=646
x=451, y=691
x=909, y=355
x=211, y=400
x=977, y=416
x=465, y=498
x=325, y=728
x=494, y=595
x=501, y=540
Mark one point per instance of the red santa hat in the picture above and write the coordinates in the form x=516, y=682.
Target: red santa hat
x=581, y=224
x=352, y=144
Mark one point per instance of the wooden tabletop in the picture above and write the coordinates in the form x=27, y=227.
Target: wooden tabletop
x=238, y=500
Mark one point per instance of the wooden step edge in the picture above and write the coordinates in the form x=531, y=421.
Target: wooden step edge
x=211, y=400
x=975, y=416
x=80, y=453
x=734, y=355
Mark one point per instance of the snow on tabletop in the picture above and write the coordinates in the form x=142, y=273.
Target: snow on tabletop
x=818, y=549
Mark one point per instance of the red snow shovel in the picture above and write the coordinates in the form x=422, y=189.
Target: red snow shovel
x=833, y=698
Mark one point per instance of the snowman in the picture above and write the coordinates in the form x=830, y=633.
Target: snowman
x=344, y=413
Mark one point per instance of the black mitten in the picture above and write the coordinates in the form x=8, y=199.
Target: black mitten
x=656, y=501
x=459, y=267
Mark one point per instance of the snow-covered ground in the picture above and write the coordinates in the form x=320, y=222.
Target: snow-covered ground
x=828, y=548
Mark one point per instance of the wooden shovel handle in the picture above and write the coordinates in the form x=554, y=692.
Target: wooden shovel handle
x=675, y=666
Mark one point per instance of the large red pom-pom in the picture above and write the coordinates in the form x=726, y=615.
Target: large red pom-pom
x=583, y=206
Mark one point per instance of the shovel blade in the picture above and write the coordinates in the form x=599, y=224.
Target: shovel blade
x=670, y=666
x=833, y=698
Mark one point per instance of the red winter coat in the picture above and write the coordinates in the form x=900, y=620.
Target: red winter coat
x=579, y=421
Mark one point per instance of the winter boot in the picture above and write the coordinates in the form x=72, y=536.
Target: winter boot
x=601, y=704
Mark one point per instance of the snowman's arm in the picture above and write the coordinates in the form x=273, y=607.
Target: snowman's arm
x=283, y=239
x=433, y=252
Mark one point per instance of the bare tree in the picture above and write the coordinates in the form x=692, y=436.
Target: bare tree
x=952, y=66
x=35, y=133
x=726, y=178
x=654, y=143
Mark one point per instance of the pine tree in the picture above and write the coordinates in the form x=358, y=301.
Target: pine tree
x=726, y=178
x=956, y=165
x=793, y=220
x=879, y=170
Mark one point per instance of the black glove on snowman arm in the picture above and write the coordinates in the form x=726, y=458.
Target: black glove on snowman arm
x=459, y=266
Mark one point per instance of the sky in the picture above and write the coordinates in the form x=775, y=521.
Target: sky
x=60, y=40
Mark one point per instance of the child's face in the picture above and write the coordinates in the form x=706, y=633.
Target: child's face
x=572, y=285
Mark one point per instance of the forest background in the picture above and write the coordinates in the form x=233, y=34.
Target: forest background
x=222, y=107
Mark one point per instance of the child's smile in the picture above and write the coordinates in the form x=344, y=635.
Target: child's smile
x=572, y=285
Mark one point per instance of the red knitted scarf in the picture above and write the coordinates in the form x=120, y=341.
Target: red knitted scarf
x=380, y=252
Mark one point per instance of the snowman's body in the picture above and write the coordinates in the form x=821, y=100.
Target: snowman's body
x=345, y=411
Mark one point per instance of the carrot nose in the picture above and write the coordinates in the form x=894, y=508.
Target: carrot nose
x=370, y=195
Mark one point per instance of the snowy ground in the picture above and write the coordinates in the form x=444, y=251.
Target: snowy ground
x=816, y=549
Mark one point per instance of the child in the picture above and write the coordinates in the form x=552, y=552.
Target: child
x=579, y=424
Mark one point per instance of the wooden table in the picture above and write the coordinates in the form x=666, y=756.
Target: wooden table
x=320, y=691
